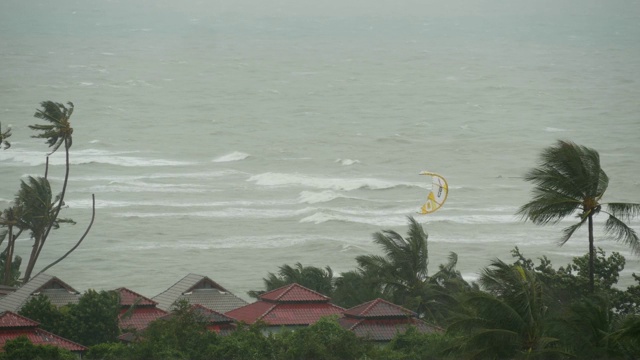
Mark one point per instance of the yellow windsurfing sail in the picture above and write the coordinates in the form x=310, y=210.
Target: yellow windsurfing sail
x=438, y=194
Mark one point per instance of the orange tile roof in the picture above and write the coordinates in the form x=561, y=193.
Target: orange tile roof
x=140, y=317
x=379, y=308
x=292, y=304
x=293, y=293
x=129, y=298
x=13, y=325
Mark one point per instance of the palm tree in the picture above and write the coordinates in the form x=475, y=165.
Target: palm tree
x=4, y=135
x=314, y=278
x=569, y=179
x=402, y=273
x=10, y=218
x=57, y=133
x=507, y=321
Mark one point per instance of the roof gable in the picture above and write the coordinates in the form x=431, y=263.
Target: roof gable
x=13, y=320
x=130, y=298
x=379, y=308
x=41, y=283
x=198, y=289
x=293, y=293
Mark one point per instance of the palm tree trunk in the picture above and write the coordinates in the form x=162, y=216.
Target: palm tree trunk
x=34, y=256
x=8, y=258
x=591, y=257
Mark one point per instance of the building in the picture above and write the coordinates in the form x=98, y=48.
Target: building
x=292, y=306
x=379, y=320
x=216, y=322
x=137, y=311
x=58, y=292
x=13, y=325
x=198, y=289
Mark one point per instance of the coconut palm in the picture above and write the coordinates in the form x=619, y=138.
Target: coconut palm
x=38, y=214
x=509, y=320
x=57, y=132
x=570, y=180
x=402, y=273
x=4, y=135
x=10, y=218
x=314, y=278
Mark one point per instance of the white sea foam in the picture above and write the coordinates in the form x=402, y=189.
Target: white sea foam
x=243, y=213
x=100, y=203
x=399, y=218
x=552, y=129
x=344, y=184
x=234, y=156
x=311, y=197
x=175, y=175
x=347, y=162
x=86, y=156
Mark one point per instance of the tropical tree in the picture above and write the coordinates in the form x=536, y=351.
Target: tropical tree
x=10, y=218
x=402, y=276
x=569, y=180
x=507, y=321
x=57, y=133
x=314, y=278
x=4, y=135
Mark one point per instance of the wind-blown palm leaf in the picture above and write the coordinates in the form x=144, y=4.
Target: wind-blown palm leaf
x=4, y=135
x=568, y=231
x=624, y=211
x=622, y=232
x=59, y=131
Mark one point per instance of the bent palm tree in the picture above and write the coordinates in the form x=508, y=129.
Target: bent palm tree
x=569, y=179
x=4, y=135
x=402, y=273
x=508, y=322
x=57, y=133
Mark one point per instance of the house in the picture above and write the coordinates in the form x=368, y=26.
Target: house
x=58, y=292
x=216, y=322
x=198, y=289
x=13, y=325
x=379, y=320
x=292, y=306
x=137, y=311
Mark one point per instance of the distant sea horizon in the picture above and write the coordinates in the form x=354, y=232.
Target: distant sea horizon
x=229, y=139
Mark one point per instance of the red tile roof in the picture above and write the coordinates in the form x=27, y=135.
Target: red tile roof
x=380, y=320
x=140, y=317
x=284, y=313
x=129, y=298
x=379, y=308
x=384, y=329
x=9, y=320
x=293, y=293
x=13, y=325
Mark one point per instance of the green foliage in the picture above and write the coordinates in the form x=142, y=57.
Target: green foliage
x=14, y=277
x=183, y=335
x=314, y=278
x=109, y=351
x=4, y=135
x=325, y=339
x=94, y=319
x=356, y=287
x=413, y=344
x=39, y=308
x=246, y=343
x=59, y=129
x=22, y=349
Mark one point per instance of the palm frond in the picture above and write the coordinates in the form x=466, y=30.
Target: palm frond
x=568, y=231
x=623, y=211
x=622, y=232
x=548, y=207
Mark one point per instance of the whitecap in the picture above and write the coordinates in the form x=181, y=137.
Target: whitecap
x=234, y=156
x=552, y=129
x=344, y=184
x=347, y=162
x=310, y=197
x=241, y=213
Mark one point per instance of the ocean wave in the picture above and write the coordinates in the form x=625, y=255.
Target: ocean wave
x=228, y=213
x=129, y=178
x=399, y=218
x=347, y=162
x=552, y=129
x=234, y=156
x=234, y=242
x=87, y=156
x=86, y=203
x=310, y=197
x=343, y=184
x=146, y=187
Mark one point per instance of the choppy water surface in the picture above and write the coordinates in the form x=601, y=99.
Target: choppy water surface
x=228, y=139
